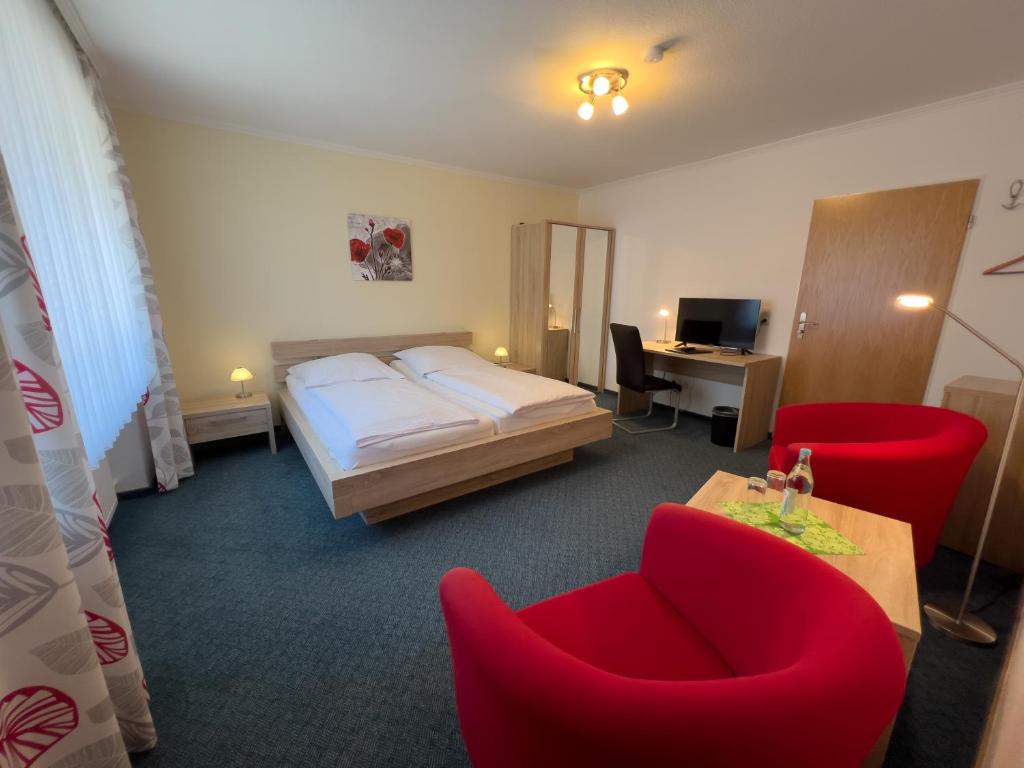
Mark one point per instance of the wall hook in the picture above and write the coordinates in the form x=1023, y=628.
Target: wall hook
x=1015, y=190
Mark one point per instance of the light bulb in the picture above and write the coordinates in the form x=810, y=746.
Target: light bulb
x=586, y=110
x=619, y=104
x=914, y=301
x=601, y=85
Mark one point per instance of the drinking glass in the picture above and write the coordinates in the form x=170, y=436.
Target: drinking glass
x=756, y=487
x=776, y=480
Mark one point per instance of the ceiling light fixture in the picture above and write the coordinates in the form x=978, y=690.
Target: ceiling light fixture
x=586, y=110
x=601, y=82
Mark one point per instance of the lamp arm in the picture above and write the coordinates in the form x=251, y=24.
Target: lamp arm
x=982, y=337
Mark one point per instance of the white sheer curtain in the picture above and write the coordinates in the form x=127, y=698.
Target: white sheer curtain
x=59, y=161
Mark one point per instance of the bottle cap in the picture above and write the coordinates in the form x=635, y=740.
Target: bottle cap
x=805, y=453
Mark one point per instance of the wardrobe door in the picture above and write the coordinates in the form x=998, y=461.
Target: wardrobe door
x=592, y=313
x=561, y=301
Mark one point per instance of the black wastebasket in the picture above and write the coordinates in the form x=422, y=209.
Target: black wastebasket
x=723, y=425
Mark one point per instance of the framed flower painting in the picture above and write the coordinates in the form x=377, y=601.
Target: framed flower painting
x=380, y=247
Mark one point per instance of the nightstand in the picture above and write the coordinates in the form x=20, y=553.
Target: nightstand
x=231, y=416
x=520, y=367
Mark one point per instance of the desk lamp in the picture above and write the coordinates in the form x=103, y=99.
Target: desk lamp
x=242, y=375
x=956, y=622
x=664, y=314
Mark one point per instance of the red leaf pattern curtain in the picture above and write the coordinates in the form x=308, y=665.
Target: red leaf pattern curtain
x=71, y=683
x=171, y=455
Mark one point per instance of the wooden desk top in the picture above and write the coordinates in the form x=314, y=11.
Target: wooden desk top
x=886, y=570
x=714, y=356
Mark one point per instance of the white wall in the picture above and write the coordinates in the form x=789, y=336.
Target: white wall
x=249, y=244
x=131, y=458
x=737, y=226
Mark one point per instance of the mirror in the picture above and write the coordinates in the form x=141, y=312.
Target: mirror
x=592, y=307
x=561, y=292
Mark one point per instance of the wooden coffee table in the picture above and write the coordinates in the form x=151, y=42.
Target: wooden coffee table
x=886, y=569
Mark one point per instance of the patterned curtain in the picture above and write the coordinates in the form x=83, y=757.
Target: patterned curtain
x=57, y=698
x=171, y=454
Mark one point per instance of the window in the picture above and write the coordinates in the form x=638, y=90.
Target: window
x=57, y=150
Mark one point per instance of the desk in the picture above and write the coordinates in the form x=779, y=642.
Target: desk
x=756, y=375
x=886, y=570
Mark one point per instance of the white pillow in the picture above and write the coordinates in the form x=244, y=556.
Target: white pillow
x=352, y=366
x=425, y=360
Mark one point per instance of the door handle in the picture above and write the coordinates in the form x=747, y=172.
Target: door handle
x=803, y=324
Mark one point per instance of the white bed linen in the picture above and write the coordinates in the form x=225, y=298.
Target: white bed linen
x=514, y=392
x=340, y=444
x=375, y=411
x=503, y=420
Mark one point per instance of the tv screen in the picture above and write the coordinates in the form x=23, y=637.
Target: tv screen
x=718, y=322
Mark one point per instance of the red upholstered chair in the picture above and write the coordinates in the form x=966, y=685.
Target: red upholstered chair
x=729, y=648
x=901, y=461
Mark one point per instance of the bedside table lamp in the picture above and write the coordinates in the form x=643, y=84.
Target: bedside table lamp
x=502, y=354
x=664, y=315
x=242, y=375
x=957, y=622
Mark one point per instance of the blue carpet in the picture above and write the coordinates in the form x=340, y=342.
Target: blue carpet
x=273, y=635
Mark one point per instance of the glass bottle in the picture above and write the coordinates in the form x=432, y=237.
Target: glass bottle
x=796, y=499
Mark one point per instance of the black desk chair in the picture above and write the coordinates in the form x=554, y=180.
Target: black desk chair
x=631, y=373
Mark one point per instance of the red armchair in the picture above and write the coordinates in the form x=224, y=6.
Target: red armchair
x=902, y=461
x=729, y=648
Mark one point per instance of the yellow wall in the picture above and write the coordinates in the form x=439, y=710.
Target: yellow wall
x=249, y=245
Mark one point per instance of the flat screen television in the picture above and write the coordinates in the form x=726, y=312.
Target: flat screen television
x=718, y=322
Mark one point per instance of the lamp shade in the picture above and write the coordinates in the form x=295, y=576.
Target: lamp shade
x=663, y=313
x=241, y=374
x=501, y=352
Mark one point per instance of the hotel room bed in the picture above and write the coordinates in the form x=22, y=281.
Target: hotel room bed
x=503, y=420
x=344, y=449
x=403, y=482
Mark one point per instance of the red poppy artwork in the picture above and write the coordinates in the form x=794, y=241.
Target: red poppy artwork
x=380, y=247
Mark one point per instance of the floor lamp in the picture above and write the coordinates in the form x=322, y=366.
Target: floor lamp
x=957, y=622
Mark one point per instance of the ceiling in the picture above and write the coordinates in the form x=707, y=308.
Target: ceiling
x=489, y=85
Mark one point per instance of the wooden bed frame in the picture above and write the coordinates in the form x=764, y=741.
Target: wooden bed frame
x=393, y=488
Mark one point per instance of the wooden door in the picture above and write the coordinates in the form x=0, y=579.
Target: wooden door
x=862, y=252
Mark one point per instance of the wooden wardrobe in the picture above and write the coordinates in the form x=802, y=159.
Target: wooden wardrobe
x=561, y=288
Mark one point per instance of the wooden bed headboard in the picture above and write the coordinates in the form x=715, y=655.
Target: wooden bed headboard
x=288, y=353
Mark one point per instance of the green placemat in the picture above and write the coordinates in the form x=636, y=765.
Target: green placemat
x=819, y=538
